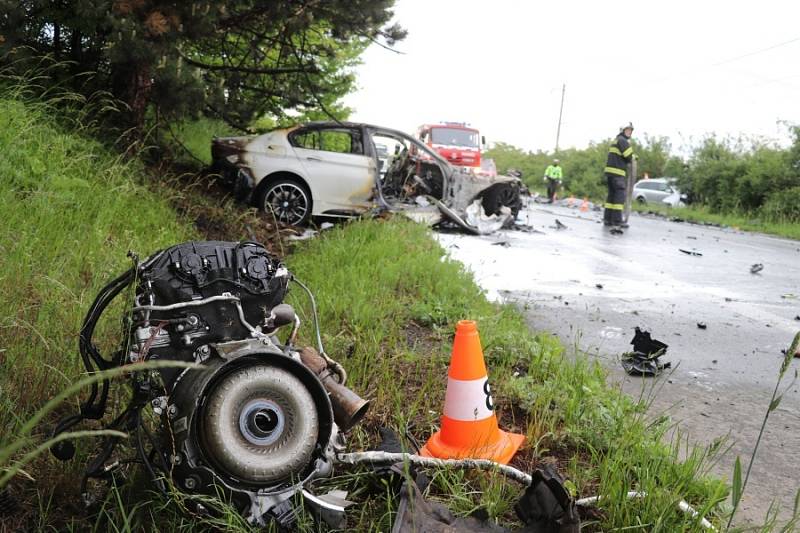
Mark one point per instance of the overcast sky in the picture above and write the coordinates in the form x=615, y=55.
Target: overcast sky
x=677, y=68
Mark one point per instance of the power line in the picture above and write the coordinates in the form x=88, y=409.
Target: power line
x=761, y=51
x=702, y=69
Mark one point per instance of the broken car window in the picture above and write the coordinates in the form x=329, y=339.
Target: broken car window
x=343, y=141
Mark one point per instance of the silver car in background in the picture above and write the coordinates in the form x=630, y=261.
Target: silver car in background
x=658, y=191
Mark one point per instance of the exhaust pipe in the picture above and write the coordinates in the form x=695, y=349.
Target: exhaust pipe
x=348, y=407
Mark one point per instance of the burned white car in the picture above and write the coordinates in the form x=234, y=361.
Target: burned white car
x=336, y=169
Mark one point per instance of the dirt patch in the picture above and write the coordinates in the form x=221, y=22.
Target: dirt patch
x=212, y=210
x=422, y=339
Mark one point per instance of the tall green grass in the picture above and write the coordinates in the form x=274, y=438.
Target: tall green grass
x=71, y=212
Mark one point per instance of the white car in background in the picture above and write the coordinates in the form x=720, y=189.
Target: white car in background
x=658, y=191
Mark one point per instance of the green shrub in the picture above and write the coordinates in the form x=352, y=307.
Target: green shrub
x=782, y=206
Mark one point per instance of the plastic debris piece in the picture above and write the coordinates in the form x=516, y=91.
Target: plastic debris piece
x=307, y=234
x=644, y=360
x=756, y=268
x=691, y=252
x=644, y=343
x=702, y=325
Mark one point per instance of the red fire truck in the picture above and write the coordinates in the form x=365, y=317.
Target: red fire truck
x=455, y=141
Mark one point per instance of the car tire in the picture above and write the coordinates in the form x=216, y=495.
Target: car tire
x=288, y=200
x=641, y=200
x=502, y=194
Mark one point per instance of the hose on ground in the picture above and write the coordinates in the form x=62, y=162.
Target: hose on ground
x=386, y=458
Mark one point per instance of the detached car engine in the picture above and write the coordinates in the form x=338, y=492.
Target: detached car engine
x=255, y=418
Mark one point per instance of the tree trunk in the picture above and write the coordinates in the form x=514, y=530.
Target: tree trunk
x=57, y=41
x=141, y=85
x=76, y=48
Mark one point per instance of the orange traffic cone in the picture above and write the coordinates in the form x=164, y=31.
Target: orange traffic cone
x=585, y=205
x=469, y=425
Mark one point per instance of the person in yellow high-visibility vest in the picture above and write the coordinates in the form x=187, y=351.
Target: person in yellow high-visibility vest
x=620, y=153
x=552, y=175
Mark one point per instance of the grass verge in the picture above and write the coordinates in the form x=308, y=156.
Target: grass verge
x=389, y=300
x=741, y=221
x=71, y=212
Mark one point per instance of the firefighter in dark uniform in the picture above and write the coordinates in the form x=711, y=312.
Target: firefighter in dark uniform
x=619, y=155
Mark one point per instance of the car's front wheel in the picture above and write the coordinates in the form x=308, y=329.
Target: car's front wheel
x=502, y=195
x=287, y=200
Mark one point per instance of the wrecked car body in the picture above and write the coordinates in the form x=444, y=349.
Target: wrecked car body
x=343, y=170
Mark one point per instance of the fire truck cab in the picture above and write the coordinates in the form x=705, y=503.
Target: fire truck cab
x=455, y=141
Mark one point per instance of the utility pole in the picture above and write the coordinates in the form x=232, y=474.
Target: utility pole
x=560, y=113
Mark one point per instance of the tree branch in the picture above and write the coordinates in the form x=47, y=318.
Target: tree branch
x=277, y=94
x=228, y=120
x=248, y=70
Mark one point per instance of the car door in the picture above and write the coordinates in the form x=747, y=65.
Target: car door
x=662, y=190
x=339, y=174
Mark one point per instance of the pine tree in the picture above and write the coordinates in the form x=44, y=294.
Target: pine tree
x=238, y=59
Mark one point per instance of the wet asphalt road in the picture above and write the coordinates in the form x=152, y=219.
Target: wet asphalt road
x=725, y=373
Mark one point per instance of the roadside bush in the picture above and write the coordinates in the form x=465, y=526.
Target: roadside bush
x=735, y=176
x=531, y=164
x=783, y=206
x=583, y=168
x=730, y=176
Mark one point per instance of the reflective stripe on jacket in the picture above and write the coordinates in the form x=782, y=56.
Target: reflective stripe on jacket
x=619, y=154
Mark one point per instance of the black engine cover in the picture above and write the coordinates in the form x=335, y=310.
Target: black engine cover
x=193, y=271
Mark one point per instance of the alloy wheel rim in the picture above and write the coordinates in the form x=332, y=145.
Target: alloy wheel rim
x=288, y=202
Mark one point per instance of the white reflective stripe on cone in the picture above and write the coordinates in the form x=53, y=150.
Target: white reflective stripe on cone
x=468, y=400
